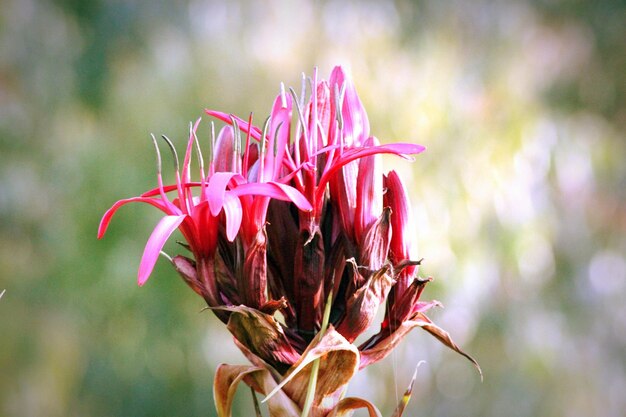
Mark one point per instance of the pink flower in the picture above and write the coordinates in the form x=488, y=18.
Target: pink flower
x=215, y=214
x=297, y=219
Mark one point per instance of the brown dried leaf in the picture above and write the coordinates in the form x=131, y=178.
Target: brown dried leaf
x=346, y=407
x=374, y=246
x=227, y=378
x=361, y=308
x=444, y=337
x=262, y=335
x=339, y=361
x=381, y=344
x=308, y=278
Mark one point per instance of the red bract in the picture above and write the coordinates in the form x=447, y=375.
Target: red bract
x=296, y=218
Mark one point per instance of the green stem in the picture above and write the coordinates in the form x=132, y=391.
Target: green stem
x=310, y=393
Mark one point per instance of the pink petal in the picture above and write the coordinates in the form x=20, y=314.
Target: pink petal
x=369, y=191
x=279, y=132
x=187, y=160
x=274, y=190
x=106, y=219
x=157, y=239
x=355, y=122
x=234, y=214
x=343, y=194
x=223, y=152
x=170, y=188
x=255, y=132
x=400, y=149
x=293, y=195
x=216, y=190
x=397, y=198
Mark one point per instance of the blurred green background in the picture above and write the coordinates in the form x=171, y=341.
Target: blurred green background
x=519, y=201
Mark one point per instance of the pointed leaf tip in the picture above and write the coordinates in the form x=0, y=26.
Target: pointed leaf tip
x=159, y=236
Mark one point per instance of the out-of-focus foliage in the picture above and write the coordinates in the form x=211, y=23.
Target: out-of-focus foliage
x=519, y=201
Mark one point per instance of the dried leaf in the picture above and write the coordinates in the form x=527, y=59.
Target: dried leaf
x=308, y=279
x=227, y=378
x=262, y=335
x=444, y=337
x=338, y=364
x=346, y=407
x=361, y=308
x=374, y=244
x=381, y=344
x=186, y=268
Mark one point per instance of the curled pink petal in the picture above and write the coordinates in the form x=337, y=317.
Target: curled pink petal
x=255, y=132
x=216, y=190
x=274, y=190
x=106, y=219
x=400, y=149
x=234, y=214
x=157, y=239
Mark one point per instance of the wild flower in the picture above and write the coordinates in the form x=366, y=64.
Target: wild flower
x=297, y=238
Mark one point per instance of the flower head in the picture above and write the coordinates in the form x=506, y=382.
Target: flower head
x=296, y=217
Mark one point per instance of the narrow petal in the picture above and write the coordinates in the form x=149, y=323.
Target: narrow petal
x=234, y=214
x=293, y=195
x=278, y=135
x=157, y=239
x=216, y=190
x=223, y=152
x=255, y=132
x=355, y=122
x=324, y=105
x=187, y=160
x=275, y=190
x=397, y=198
x=106, y=219
x=343, y=195
x=400, y=149
x=369, y=191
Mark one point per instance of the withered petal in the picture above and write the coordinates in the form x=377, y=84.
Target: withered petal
x=346, y=407
x=262, y=335
x=339, y=361
x=361, y=308
x=227, y=377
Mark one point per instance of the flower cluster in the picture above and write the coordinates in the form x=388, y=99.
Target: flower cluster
x=296, y=239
